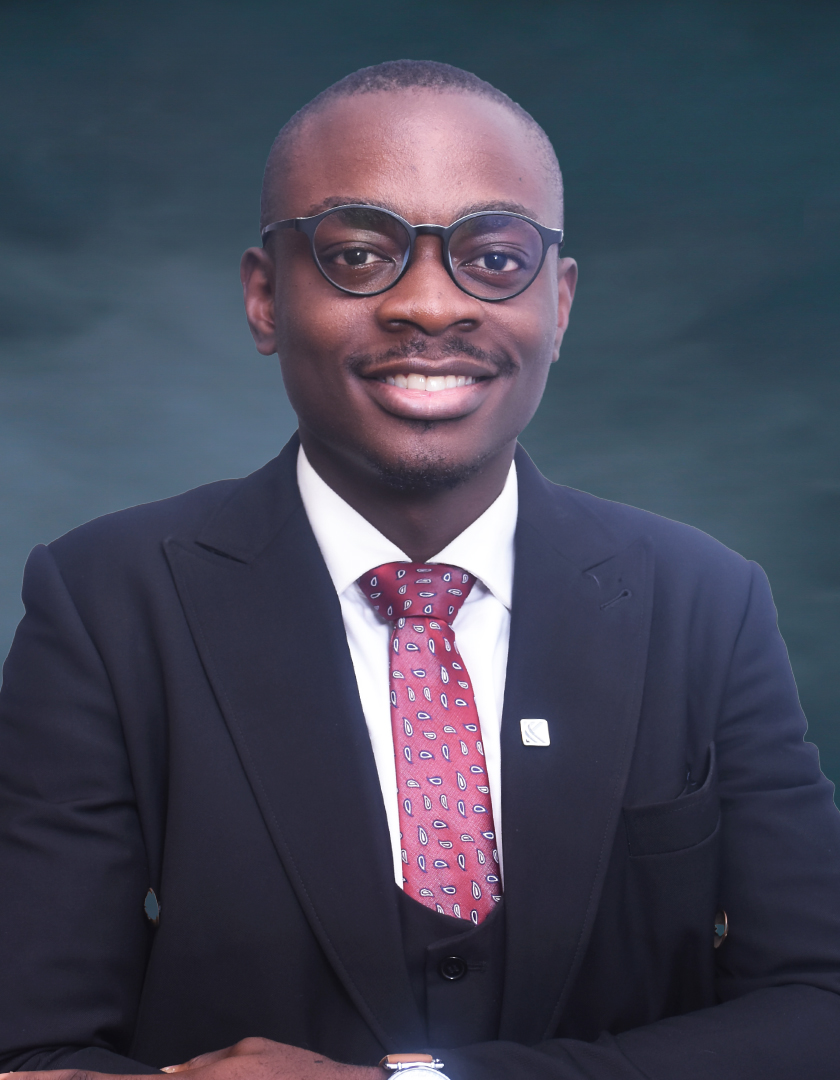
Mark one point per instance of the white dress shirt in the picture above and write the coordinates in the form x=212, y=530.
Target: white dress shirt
x=351, y=546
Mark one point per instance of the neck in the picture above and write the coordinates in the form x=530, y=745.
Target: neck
x=420, y=522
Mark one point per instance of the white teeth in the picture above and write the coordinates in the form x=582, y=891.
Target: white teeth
x=429, y=383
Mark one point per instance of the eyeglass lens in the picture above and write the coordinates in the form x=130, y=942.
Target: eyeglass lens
x=365, y=249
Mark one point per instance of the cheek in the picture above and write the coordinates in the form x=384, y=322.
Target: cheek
x=312, y=341
x=528, y=333
x=316, y=321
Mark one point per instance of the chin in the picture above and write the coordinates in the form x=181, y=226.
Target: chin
x=425, y=472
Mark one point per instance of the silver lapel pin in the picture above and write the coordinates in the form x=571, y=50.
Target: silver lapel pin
x=535, y=732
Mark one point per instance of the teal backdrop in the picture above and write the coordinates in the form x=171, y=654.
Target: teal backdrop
x=700, y=143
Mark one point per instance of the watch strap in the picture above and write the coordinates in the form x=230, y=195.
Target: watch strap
x=398, y=1062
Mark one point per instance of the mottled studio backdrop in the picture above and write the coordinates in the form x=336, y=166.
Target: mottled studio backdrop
x=700, y=143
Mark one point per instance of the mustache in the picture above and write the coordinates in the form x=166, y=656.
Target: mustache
x=446, y=348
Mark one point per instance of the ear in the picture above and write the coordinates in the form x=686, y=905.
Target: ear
x=567, y=274
x=257, y=274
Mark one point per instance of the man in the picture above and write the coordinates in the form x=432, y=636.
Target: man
x=405, y=749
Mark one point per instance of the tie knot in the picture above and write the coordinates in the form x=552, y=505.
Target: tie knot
x=406, y=590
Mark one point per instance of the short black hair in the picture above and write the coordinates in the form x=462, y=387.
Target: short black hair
x=396, y=75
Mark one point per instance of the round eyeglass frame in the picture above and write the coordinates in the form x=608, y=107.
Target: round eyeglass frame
x=308, y=225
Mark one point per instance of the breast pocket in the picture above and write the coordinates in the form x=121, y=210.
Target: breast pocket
x=664, y=828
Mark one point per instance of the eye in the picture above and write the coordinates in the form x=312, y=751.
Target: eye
x=498, y=262
x=357, y=256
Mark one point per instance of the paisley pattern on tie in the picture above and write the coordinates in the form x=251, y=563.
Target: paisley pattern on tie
x=447, y=836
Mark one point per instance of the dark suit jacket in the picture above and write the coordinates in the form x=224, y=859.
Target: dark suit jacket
x=180, y=711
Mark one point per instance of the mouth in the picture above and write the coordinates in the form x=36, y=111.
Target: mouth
x=445, y=390
x=431, y=384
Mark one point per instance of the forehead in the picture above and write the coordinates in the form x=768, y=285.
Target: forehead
x=428, y=155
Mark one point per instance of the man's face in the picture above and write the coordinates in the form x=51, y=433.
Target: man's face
x=430, y=157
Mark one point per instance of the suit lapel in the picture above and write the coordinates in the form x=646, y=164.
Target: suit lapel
x=268, y=626
x=578, y=645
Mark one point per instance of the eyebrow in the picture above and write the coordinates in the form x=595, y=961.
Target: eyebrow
x=473, y=208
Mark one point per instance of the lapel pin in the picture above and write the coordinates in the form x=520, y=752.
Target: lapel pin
x=534, y=732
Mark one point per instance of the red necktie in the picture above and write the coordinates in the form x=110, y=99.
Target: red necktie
x=448, y=840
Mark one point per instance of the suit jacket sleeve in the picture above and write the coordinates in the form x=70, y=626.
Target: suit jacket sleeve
x=73, y=858
x=778, y=973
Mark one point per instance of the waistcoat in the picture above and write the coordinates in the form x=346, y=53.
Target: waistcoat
x=456, y=971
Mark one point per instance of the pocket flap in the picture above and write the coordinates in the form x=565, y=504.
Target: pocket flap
x=681, y=823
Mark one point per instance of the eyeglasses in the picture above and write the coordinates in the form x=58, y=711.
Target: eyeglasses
x=364, y=250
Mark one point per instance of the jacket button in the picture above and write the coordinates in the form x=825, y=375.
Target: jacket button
x=452, y=968
x=152, y=908
x=721, y=928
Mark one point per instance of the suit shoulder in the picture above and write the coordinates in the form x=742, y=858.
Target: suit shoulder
x=587, y=529
x=147, y=521
x=675, y=544
x=129, y=537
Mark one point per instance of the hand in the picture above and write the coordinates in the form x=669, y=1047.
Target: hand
x=254, y=1059
x=250, y=1059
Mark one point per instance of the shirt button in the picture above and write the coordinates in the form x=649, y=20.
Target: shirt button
x=452, y=968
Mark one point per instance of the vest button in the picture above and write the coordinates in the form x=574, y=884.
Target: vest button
x=452, y=968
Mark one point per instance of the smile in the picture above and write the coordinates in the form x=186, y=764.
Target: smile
x=429, y=383
x=418, y=395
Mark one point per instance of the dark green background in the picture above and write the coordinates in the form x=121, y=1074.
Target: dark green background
x=700, y=146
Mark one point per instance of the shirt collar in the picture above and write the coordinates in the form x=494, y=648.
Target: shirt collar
x=351, y=546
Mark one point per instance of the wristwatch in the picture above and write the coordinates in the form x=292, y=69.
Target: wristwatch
x=421, y=1066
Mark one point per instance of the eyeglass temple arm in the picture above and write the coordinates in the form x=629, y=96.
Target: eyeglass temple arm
x=276, y=226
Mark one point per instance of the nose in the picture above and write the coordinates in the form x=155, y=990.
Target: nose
x=427, y=298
